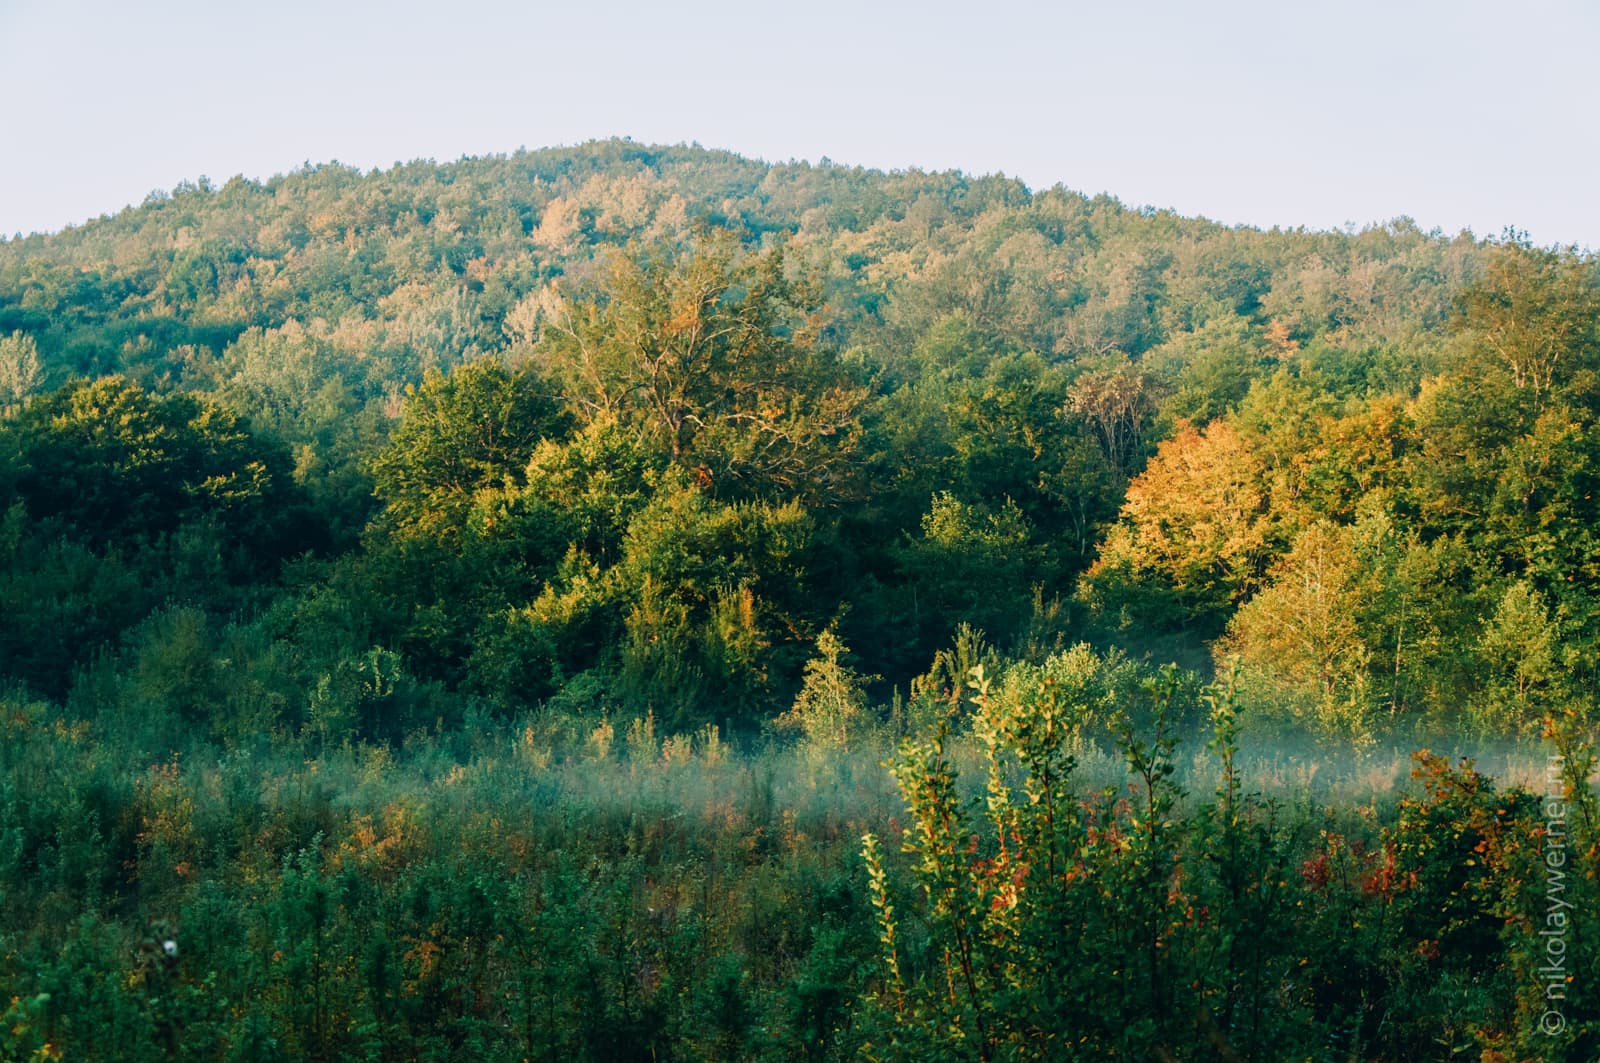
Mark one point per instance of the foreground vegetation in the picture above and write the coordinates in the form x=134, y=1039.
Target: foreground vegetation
x=539, y=606
x=575, y=890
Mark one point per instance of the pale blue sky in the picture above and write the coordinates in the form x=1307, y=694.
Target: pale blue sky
x=1459, y=114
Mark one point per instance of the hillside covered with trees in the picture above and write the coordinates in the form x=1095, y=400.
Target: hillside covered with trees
x=324, y=495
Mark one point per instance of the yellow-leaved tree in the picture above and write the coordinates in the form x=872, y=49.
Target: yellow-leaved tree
x=1195, y=533
x=1301, y=637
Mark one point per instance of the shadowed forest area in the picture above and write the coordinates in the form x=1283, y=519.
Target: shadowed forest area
x=625, y=602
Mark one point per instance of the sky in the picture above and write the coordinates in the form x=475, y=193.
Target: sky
x=1459, y=115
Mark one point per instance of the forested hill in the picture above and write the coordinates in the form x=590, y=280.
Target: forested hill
x=633, y=427
x=426, y=263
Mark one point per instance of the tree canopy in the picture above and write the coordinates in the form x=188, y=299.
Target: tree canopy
x=640, y=424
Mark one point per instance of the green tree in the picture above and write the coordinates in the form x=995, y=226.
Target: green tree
x=19, y=369
x=1534, y=311
x=1521, y=648
x=701, y=613
x=461, y=436
x=970, y=563
x=714, y=357
x=118, y=464
x=832, y=703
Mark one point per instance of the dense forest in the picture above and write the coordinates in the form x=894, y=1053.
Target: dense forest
x=478, y=610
